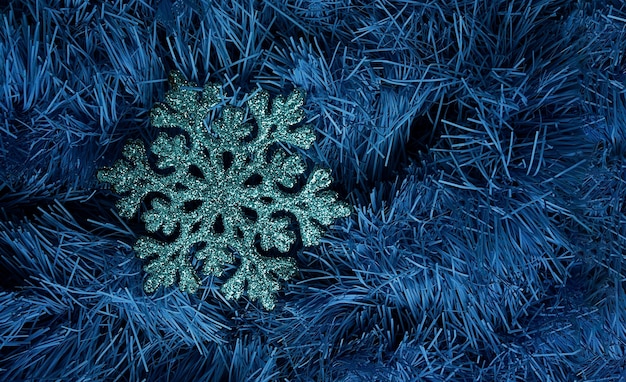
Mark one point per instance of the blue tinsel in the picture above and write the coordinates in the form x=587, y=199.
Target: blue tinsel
x=481, y=144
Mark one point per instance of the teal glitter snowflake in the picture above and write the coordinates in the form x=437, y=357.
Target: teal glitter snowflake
x=223, y=190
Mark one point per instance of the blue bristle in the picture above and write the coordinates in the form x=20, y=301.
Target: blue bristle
x=480, y=144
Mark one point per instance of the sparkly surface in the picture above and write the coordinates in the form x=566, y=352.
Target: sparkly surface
x=219, y=192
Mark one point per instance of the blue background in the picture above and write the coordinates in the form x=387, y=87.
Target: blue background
x=481, y=144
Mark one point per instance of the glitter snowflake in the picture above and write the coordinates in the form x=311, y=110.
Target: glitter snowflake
x=219, y=193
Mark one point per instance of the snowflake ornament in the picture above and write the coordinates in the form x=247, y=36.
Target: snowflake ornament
x=221, y=194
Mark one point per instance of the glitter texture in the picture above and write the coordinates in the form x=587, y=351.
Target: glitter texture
x=217, y=195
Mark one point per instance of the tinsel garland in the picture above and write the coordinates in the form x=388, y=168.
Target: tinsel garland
x=478, y=144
